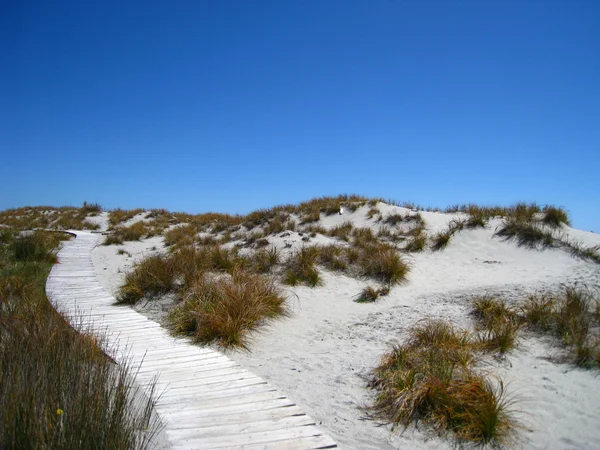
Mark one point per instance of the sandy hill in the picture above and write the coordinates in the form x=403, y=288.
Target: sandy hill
x=323, y=354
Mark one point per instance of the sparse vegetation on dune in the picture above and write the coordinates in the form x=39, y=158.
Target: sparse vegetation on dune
x=57, y=388
x=570, y=314
x=118, y=216
x=47, y=217
x=134, y=232
x=536, y=235
x=432, y=378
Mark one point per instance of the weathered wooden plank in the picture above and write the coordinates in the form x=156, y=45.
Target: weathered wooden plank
x=281, y=423
x=283, y=405
x=304, y=443
x=250, y=438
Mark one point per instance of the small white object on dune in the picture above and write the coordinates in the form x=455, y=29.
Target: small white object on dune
x=341, y=210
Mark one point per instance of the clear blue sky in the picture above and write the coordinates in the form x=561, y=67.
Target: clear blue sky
x=236, y=105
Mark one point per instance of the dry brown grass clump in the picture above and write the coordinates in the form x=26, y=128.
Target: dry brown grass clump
x=301, y=267
x=133, y=232
x=416, y=243
x=225, y=309
x=180, y=235
x=383, y=263
x=333, y=258
x=498, y=324
x=342, y=231
x=152, y=276
x=431, y=378
x=264, y=259
x=117, y=216
x=369, y=294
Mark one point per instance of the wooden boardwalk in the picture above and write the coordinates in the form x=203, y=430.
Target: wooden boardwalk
x=208, y=401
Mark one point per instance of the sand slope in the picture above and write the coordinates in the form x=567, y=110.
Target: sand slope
x=321, y=354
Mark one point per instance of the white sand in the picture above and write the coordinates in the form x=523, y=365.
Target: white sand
x=320, y=355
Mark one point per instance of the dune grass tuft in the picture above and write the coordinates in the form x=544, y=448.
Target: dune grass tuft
x=224, y=309
x=383, y=263
x=555, y=217
x=300, y=268
x=441, y=240
x=526, y=234
x=152, y=276
x=430, y=378
x=369, y=294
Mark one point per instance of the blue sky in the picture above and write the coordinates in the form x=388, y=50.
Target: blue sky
x=232, y=106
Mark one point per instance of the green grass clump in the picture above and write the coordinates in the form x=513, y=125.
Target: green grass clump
x=301, y=268
x=223, y=310
x=57, y=388
x=91, y=208
x=35, y=246
x=555, y=217
x=431, y=379
x=363, y=237
x=538, y=311
x=152, y=276
x=477, y=221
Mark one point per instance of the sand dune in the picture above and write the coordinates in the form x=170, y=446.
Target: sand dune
x=321, y=355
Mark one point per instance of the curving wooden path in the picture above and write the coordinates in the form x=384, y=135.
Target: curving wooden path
x=208, y=401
